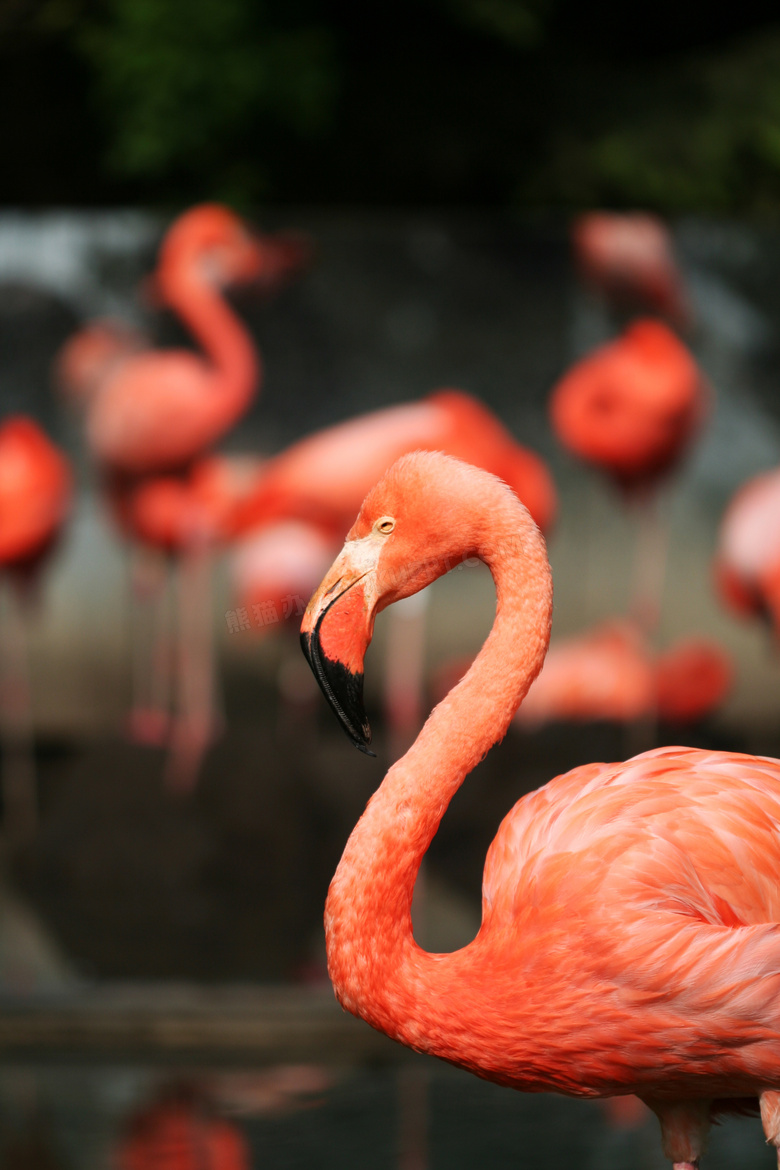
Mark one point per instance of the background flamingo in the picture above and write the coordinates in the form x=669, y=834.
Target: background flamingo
x=179, y=1130
x=35, y=496
x=632, y=408
x=610, y=672
x=628, y=940
x=323, y=478
x=747, y=562
x=629, y=260
x=152, y=412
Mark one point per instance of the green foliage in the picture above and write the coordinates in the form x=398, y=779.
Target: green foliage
x=184, y=84
x=518, y=23
x=699, y=133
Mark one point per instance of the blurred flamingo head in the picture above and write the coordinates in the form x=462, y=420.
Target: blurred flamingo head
x=215, y=244
x=630, y=259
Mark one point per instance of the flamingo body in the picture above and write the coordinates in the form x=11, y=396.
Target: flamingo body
x=324, y=477
x=172, y=511
x=630, y=937
x=632, y=406
x=160, y=409
x=747, y=565
x=604, y=674
x=35, y=490
x=692, y=678
x=610, y=672
x=179, y=1135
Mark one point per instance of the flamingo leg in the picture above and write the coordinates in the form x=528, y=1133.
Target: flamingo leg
x=19, y=788
x=195, y=723
x=649, y=568
x=684, y=1129
x=770, y=1119
x=149, y=719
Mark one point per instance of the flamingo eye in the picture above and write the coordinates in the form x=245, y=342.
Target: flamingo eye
x=385, y=525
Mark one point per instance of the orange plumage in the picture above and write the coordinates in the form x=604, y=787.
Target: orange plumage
x=630, y=937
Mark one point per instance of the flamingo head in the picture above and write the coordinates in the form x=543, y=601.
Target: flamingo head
x=217, y=246
x=213, y=243
x=427, y=513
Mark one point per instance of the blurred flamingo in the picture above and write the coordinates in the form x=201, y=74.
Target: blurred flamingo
x=91, y=355
x=629, y=260
x=159, y=409
x=179, y=1130
x=632, y=408
x=610, y=672
x=747, y=562
x=323, y=478
x=35, y=497
x=153, y=413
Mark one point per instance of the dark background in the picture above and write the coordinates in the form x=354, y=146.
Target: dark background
x=518, y=103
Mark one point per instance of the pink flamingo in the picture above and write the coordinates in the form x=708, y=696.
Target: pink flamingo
x=632, y=408
x=610, y=672
x=322, y=478
x=180, y=1130
x=629, y=259
x=159, y=409
x=747, y=563
x=35, y=497
x=153, y=413
x=629, y=939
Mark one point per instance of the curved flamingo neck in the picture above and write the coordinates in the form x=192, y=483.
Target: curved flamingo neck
x=377, y=969
x=223, y=337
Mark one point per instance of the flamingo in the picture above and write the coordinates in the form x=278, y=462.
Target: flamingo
x=610, y=672
x=36, y=489
x=630, y=936
x=159, y=409
x=179, y=1130
x=629, y=259
x=153, y=413
x=747, y=562
x=632, y=408
x=323, y=478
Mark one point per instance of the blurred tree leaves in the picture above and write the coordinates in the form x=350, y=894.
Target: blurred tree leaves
x=536, y=103
x=519, y=23
x=697, y=133
x=185, y=83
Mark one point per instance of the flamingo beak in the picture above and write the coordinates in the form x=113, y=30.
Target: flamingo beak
x=336, y=631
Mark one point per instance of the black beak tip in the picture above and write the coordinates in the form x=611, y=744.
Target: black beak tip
x=343, y=689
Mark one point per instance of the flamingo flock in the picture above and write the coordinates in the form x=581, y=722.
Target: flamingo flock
x=629, y=910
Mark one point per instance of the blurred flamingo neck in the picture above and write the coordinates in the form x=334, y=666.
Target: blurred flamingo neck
x=212, y=322
x=377, y=969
